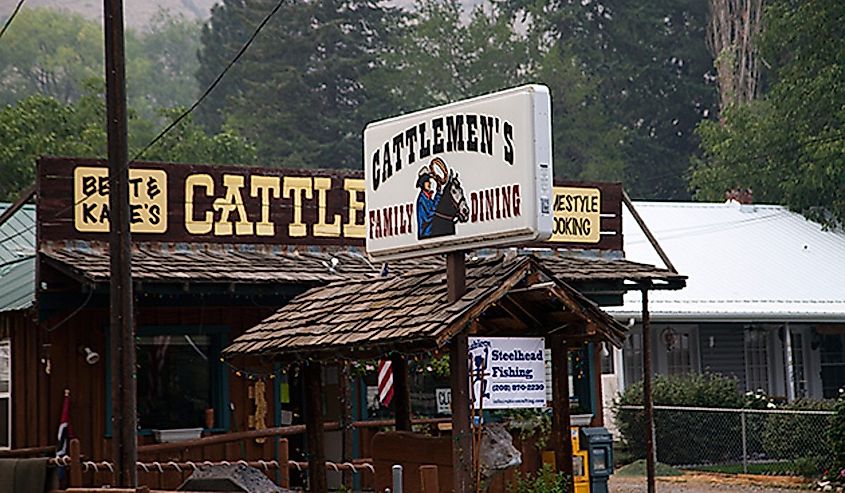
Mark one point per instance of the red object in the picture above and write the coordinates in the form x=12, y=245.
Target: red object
x=385, y=382
x=65, y=430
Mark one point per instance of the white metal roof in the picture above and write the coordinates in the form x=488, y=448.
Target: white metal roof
x=744, y=262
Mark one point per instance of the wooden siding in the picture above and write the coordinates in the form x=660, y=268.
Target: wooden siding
x=37, y=396
x=727, y=356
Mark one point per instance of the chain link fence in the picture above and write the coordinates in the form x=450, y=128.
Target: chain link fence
x=762, y=441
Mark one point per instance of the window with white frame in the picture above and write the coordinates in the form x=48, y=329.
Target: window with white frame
x=5, y=393
x=757, y=360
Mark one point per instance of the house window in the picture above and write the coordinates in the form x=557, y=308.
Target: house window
x=678, y=351
x=757, y=360
x=632, y=356
x=799, y=378
x=180, y=376
x=833, y=365
x=5, y=393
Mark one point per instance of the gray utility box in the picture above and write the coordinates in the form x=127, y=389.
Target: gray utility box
x=598, y=442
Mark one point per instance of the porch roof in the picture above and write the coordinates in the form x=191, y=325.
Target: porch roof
x=410, y=313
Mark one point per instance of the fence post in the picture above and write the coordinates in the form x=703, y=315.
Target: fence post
x=284, y=466
x=428, y=479
x=744, y=442
x=75, y=479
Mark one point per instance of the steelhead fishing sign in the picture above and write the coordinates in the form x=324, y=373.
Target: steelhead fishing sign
x=475, y=173
x=507, y=372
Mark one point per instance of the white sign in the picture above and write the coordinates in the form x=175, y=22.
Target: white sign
x=444, y=401
x=507, y=372
x=475, y=173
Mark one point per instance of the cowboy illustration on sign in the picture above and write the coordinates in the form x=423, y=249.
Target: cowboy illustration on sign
x=438, y=210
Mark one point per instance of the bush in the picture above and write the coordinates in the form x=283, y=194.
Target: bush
x=545, y=481
x=791, y=436
x=682, y=436
x=836, y=435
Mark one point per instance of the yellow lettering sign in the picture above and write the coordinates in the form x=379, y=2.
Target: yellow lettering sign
x=147, y=200
x=296, y=187
x=577, y=215
x=352, y=228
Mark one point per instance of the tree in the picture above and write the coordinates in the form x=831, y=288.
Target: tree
x=441, y=57
x=49, y=52
x=41, y=125
x=298, y=90
x=53, y=52
x=731, y=33
x=788, y=146
x=648, y=65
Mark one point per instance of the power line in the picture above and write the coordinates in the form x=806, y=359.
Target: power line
x=11, y=18
x=214, y=83
x=179, y=119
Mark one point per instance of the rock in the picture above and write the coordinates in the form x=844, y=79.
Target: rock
x=497, y=451
x=235, y=477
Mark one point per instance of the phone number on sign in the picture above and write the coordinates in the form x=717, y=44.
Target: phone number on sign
x=518, y=387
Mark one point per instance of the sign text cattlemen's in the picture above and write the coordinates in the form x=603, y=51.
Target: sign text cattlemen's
x=469, y=174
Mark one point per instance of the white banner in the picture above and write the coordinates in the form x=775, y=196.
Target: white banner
x=470, y=174
x=507, y=372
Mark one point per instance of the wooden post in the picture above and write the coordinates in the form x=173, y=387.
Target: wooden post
x=598, y=417
x=456, y=275
x=345, y=421
x=429, y=483
x=561, y=422
x=284, y=467
x=461, y=427
x=313, y=377
x=122, y=324
x=75, y=473
x=401, y=392
x=648, y=397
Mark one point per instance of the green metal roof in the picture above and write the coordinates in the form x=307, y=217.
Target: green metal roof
x=17, y=259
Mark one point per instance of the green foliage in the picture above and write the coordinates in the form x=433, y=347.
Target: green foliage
x=529, y=423
x=682, y=435
x=788, y=146
x=546, y=480
x=298, y=91
x=787, y=436
x=836, y=436
x=40, y=125
x=54, y=53
x=646, y=64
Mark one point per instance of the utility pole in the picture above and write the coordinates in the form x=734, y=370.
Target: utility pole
x=122, y=327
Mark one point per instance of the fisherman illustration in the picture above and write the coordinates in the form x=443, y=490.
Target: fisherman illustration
x=439, y=209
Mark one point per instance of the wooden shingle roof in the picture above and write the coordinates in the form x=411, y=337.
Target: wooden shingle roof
x=410, y=312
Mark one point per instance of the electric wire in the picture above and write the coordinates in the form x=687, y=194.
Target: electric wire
x=214, y=83
x=11, y=18
x=178, y=119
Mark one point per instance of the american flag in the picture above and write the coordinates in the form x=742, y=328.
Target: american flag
x=65, y=431
x=385, y=382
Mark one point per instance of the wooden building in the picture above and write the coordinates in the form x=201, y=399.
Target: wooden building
x=216, y=251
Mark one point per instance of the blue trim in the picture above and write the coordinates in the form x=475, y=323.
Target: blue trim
x=218, y=379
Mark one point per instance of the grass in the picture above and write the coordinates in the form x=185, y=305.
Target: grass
x=637, y=468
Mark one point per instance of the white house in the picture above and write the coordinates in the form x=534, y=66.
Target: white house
x=764, y=302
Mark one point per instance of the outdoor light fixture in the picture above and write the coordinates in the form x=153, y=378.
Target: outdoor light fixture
x=631, y=322
x=91, y=356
